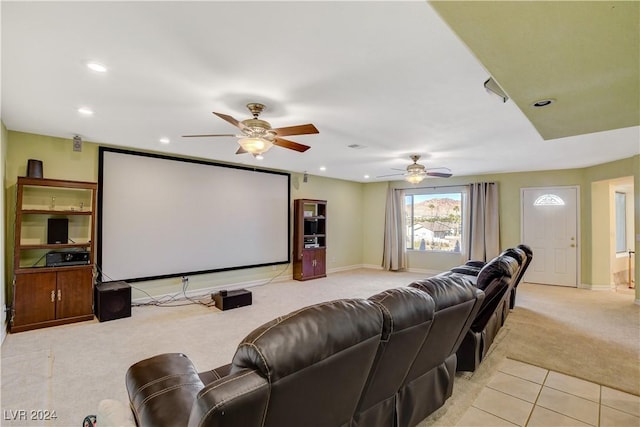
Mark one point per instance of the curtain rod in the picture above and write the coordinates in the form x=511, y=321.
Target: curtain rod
x=439, y=186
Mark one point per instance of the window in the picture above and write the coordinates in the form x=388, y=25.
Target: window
x=434, y=221
x=621, y=222
x=549, y=200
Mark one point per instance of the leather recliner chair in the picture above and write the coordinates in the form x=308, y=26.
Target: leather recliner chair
x=495, y=279
x=523, y=269
x=408, y=315
x=429, y=381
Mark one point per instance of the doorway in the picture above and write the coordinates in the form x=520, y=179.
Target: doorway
x=613, y=234
x=549, y=225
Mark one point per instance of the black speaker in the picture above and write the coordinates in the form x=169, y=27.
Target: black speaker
x=226, y=300
x=112, y=301
x=57, y=230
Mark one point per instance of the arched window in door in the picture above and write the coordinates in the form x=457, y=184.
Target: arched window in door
x=548, y=200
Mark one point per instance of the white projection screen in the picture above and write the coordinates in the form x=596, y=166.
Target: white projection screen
x=161, y=216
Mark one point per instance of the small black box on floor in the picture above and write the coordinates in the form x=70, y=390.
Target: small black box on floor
x=226, y=300
x=112, y=300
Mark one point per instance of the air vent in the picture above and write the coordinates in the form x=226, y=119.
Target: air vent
x=357, y=146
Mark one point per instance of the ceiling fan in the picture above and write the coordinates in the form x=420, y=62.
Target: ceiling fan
x=257, y=136
x=416, y=172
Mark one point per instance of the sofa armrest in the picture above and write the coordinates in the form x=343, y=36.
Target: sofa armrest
x=238, y=399
x=162, y=390
x=215, y=374
x=477, y=264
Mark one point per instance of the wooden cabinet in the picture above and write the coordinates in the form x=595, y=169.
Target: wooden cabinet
x=53, y=276
x=309, y=239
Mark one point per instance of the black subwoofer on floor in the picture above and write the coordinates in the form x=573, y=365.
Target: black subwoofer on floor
x=112, y=301
x=226, y=300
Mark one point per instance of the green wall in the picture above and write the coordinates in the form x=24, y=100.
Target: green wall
x=355, y=217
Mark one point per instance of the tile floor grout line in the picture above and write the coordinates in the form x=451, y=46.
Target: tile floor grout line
x=494, y=415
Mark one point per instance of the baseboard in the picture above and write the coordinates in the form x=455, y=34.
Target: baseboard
x=592, y=287
x=372, y=266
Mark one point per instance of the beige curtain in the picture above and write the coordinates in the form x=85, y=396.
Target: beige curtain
x=394, y=256
x=484, y=221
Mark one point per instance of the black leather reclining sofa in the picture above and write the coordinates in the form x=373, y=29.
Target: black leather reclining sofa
x=386, y=361
x=499, y=279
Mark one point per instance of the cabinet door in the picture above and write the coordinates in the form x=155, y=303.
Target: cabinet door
x=74, y=293
x=308, y=263
x=320, y=264
x=35, y=298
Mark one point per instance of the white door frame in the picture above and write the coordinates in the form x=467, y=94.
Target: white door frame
x=578, y=227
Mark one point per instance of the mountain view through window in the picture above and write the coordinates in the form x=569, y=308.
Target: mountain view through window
x=434, y=222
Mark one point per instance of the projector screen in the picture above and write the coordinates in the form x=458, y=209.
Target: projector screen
x=161, y=216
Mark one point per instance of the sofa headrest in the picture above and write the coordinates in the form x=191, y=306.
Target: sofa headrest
x=527, y=249
x=448, y=290
x=515, y=253
x=403, y=308
x=500, y=267
x=302, y=338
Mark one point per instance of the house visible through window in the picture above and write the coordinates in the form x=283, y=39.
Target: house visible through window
x=434, y=221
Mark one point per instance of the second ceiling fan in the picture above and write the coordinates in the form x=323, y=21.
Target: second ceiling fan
x=416, y=172
x=257, y=136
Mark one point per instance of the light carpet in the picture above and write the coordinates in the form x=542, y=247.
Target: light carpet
x=69, y=369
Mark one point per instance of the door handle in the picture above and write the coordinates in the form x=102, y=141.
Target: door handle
x=53, y=296
x=59, y=295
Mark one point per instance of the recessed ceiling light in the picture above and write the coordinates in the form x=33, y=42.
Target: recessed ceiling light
x=86, y=111
x=259, y=156
x=323, y=168
x=95, y=66
x=366, y=177
x=165, y=140
x=543, y=102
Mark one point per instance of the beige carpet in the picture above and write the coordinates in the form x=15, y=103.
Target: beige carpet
x=69, y=369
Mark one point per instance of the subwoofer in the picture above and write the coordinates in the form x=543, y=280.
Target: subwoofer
x=112, y=301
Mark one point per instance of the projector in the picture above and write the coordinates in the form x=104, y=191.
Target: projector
x=67, y=258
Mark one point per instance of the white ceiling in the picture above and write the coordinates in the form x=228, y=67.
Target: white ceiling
x=389, y=76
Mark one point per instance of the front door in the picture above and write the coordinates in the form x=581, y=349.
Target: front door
x=550, y=228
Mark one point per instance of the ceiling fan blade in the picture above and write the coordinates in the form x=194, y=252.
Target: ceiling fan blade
x=439, y=174
x=290, y=145
x=206, y=136
x=296, y=130
x=230, y=119
x=241, y=150
x=393, y=174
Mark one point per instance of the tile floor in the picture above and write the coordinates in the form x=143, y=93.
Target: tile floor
x=525, y=395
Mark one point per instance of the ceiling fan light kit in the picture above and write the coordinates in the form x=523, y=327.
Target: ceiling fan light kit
x=255, y=146
x=415, y=178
